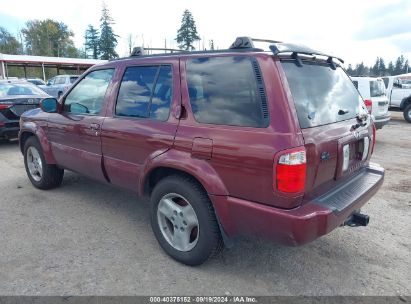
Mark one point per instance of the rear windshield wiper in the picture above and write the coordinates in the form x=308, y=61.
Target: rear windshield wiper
x=342, y=112
x=362, y=121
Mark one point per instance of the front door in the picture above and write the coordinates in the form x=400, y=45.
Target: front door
x=74, y=133
x=141, y=124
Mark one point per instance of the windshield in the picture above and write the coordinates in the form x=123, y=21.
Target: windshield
x=377, y=88
x=321, y=95
x=13, y=89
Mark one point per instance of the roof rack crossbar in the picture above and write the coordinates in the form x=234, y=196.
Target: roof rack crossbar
x=247, y=42
x=140, y=51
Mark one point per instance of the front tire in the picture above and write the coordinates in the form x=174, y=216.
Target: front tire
x=407, y=113
x=183, y=220
x=41, y=175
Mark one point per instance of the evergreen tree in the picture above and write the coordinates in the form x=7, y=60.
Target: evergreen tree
x=406, y=67
x=390, y=69
x=399, y=65
x=108, y=40
x=211, y=44
x=381, y=68
x=376, y=68
x=350, y=70
x=187, y=33
x=360, y=69
x=92, y=42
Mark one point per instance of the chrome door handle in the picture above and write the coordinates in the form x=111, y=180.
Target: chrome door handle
x=95, y=126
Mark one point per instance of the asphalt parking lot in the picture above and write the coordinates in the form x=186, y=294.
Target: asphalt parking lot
x=88, y=239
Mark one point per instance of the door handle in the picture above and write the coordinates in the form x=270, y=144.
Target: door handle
x=95, y=126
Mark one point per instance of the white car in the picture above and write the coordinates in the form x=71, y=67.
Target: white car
x=399, y=94
x=373, y=92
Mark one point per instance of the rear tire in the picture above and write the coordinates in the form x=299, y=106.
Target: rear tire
x=183, y=220
x=407, y=113
x=41, y=175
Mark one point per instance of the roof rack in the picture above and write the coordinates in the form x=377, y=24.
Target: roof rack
x=140, y=51
x=278, y=47
x=246, y=44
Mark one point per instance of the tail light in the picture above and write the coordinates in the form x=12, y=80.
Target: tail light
x=291, y=170
x=368, y=104
x=373, y=138
x=5, y=105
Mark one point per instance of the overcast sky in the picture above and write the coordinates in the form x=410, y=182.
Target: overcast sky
x=354, y=30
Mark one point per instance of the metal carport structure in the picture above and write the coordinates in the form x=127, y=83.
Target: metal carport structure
x=25, y=61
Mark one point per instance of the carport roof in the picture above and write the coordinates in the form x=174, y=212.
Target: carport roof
x=28, y=59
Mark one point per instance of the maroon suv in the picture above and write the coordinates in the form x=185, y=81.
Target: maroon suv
x=240, y=141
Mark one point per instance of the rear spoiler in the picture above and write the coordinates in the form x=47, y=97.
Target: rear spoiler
x=278, y=48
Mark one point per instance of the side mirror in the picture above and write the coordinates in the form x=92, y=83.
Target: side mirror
x=49, y=105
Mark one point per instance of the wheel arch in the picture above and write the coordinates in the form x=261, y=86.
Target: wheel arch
x=157, y=173
x=40, y=135
x=405, y=102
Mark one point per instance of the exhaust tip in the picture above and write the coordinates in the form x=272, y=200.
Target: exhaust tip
x=357, y=219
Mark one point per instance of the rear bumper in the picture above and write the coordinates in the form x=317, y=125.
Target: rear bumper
x=381, y=121
x=303, y=224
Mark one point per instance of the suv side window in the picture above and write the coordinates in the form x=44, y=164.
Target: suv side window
x=51, y=81
x=88, y=95
x=145, y=92
x=60, y=80
x=227, y=91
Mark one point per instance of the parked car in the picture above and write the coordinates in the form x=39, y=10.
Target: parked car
x=373, y=92
x=56, y=86
x=36, y=81
x=399, y=94
x=16, y=97
x=239, y=141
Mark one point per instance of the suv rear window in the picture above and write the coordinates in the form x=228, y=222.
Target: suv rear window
x=377, y=88
x=225, y=91
x=319, y=93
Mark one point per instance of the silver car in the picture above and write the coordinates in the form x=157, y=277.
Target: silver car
x=56, y=86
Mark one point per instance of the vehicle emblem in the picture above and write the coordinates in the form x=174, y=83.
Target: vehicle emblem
x=325, y=156
x=357, y=135
x=30, y=100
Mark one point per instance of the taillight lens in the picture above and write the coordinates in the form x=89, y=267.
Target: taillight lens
x=373, y=138
x=368, y=104
x=291, y=171
x=5, y=105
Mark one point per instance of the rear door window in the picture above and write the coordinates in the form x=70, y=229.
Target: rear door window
x=225, y=91
x=145, y=92
x=321, y=95
x=60, y=80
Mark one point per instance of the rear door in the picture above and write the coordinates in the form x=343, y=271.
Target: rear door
x=327, y=106
x=379, y=98
x=140, y=125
